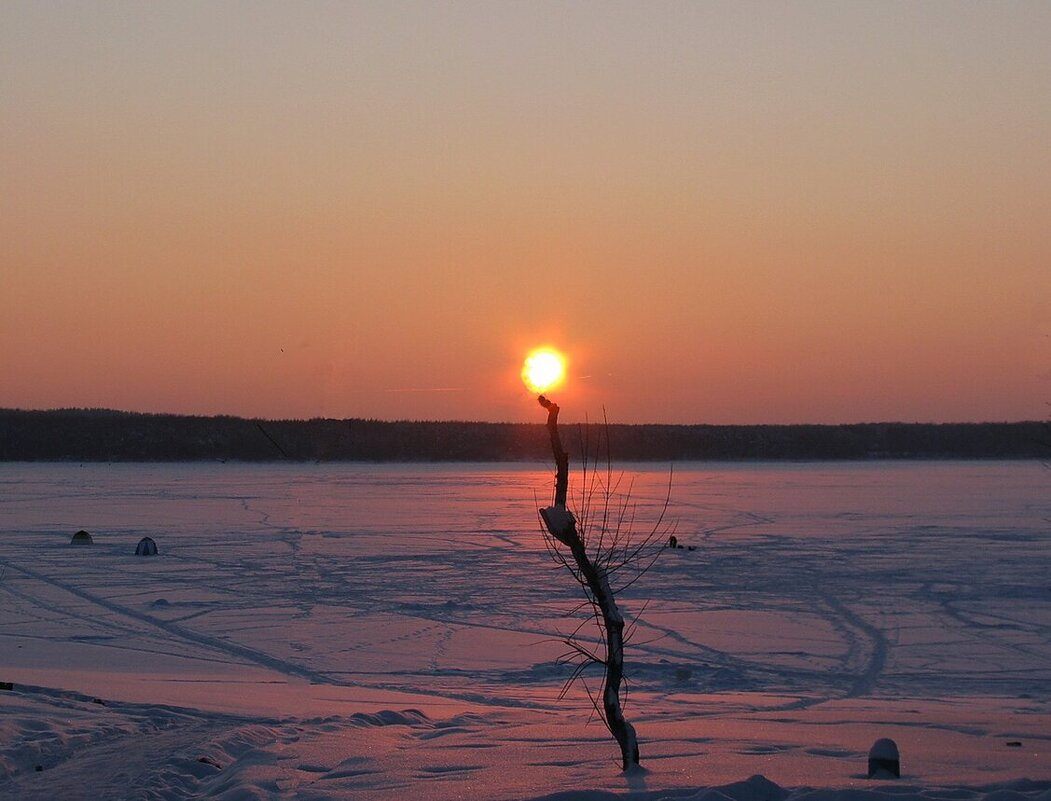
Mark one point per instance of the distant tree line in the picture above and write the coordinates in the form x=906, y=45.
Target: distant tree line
x=92, y=435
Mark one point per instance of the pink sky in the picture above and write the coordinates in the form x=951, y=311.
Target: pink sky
x=723, y=212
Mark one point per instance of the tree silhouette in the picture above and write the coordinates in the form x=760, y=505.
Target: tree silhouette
x=600, y=548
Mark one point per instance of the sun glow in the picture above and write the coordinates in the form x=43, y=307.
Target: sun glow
x=544, y=369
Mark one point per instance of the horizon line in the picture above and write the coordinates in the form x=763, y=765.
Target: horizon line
x=221, y=415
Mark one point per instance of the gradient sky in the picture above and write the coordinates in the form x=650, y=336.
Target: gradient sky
x=725, y=212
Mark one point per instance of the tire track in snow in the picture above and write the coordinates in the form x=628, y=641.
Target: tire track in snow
x=865, y=681
x=242, y=652
x=113, y=628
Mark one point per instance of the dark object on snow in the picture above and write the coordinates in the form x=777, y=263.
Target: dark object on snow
x=1014, y=743
x=884, y=762
x=673, y=542
x=7, y=685
x=81, y=538
x=146, y=547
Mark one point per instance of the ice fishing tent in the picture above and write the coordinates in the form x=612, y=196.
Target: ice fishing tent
x=884, y=760
x=146, y=547
x=81, y=538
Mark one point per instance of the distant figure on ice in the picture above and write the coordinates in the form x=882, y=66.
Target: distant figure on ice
x=673, y=542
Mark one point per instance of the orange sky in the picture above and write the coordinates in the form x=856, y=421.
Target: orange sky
x=724, y=212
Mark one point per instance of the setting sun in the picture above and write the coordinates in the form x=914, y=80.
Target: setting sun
x=544, y=369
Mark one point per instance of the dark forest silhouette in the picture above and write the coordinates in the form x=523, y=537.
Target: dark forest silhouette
x=101, y=435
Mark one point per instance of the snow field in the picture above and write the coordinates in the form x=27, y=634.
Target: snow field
x=383, y=632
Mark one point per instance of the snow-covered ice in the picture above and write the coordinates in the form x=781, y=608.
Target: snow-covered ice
x=356, y=631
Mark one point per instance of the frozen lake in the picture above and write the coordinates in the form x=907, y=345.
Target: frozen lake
x=392, y=631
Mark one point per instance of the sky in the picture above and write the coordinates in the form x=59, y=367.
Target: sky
x=722, y=212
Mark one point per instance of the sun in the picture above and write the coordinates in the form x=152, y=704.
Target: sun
x=544, y=369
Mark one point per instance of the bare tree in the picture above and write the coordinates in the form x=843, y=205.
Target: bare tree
x=601, y=550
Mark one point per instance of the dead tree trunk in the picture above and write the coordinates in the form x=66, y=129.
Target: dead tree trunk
x=562, y=525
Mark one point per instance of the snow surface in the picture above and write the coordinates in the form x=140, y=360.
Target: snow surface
x=391, y=632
